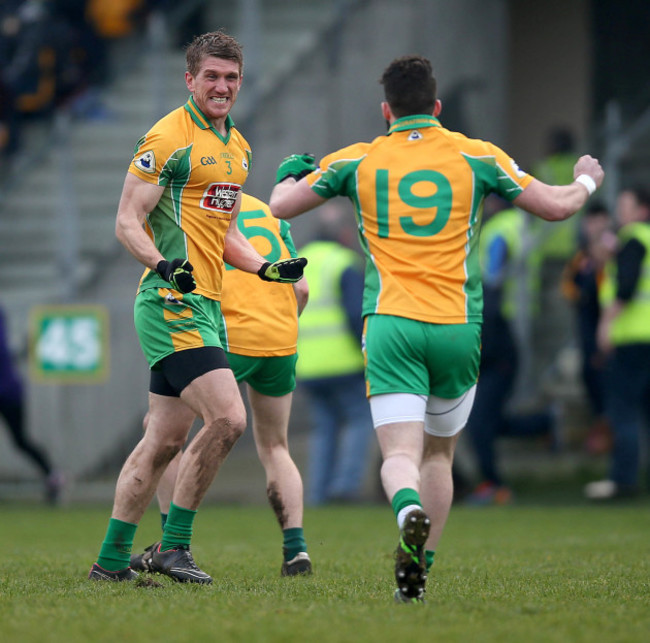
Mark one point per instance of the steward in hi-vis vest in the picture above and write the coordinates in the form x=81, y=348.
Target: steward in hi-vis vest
x=632, y=325
x=624, y=337
x=326, y=344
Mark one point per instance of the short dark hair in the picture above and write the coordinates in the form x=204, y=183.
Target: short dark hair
x=409, y=86
x=213, y=43
x=596, y=208
x=560, y=140
x=641, y=194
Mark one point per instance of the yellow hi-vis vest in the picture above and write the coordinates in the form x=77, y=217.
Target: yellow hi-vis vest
x=559, y=236
x=326, y=345
x=508, y=224
x=632, y=326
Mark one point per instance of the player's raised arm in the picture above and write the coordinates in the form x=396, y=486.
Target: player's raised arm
x=292, y=194
x=559, y=202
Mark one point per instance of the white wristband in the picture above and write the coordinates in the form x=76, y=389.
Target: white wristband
x=588, y=182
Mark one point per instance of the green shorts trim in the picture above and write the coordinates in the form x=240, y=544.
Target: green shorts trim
x=168, y=322
x=273, y=376
x=408, y=356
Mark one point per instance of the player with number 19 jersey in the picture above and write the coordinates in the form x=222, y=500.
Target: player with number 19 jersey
x=418, y=182
x=203, y=173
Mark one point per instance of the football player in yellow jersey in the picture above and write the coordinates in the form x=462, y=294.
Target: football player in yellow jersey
x=417, y=194
x=178, y=216
x=259, y=333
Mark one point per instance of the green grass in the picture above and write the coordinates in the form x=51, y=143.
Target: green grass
x=524, y=574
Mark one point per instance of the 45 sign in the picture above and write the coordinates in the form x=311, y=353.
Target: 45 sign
x=68, y=344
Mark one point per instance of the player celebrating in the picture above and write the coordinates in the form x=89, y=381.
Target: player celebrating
x=184, y=185
x=259, y=332
x=417, y=194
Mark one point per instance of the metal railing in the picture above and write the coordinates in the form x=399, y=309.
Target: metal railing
x=619, y=140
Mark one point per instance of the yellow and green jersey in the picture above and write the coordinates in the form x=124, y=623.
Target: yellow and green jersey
x=417, y=194
x=259, y=318
x=202, y=173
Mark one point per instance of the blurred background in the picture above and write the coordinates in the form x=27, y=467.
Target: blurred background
x=82, y=80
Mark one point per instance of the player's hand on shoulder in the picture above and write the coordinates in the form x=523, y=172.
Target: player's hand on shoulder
x=178, y=272
x=285, y=271
x=295, y=166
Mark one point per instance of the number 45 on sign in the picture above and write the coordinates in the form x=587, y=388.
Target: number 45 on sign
x=68, y=344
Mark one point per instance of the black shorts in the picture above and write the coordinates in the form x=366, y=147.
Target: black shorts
x=174, y=372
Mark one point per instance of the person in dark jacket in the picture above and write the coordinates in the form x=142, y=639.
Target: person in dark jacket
x=12, y=411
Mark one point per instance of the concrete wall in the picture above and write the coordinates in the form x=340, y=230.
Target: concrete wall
x=550, y=66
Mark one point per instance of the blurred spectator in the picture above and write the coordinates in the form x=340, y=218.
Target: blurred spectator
x=116, y=18
x=36, y=45
x=88, y=68
x=502, y=254
x=580, y=283
x=330, y=364
x=55, y=52
x=624, y=335
x=12, y=411
x=557, y=240
x=184, y=21
x=8, y=122
x=193, y=23
x=49, y=55
x=552, y=245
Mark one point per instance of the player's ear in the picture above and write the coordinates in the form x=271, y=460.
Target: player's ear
x=437, y=107
x=385, y=111
x=189, y=81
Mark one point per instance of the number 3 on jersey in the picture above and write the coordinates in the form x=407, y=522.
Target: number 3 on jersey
x=433, y=193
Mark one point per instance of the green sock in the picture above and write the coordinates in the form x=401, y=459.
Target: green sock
x=403, y=498
x=178, y=528
x=429, y=556
x=163, y=520
x=115, y=552
x=293, y=543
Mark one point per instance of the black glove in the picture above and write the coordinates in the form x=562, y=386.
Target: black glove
x=286, y=271
x=178, y=273
x=295, y=166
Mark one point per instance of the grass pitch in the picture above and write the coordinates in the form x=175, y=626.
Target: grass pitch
x=521, y=573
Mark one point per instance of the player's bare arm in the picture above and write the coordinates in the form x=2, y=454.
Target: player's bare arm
x=238, y=251
x=290, y=198
x=137, y=200
x=559, y=202
x=301, y=290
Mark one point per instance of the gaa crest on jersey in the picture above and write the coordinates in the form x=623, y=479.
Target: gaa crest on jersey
x=414, y=136
x=220, y=197
x=146, y=162
x=518, y=171
x=244, y=164
x=171, y=299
